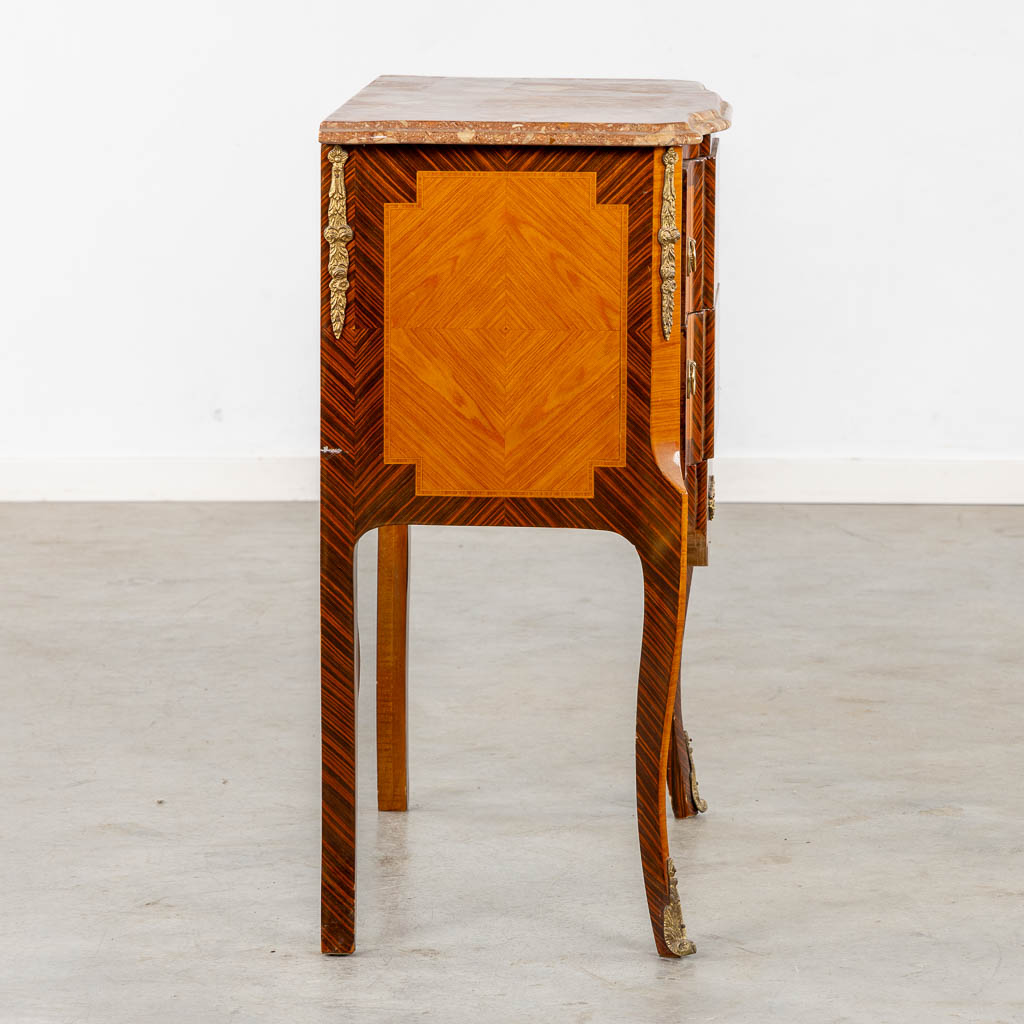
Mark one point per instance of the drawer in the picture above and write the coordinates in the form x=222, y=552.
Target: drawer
x=698, y=254
x=697, y=426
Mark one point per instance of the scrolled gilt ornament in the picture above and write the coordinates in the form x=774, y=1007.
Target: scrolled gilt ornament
x=668, y=235
x=673, y=927
x=337, y=235
x=701, y=805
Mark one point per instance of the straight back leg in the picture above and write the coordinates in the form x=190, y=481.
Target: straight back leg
x=392, y=647
x=339, y=686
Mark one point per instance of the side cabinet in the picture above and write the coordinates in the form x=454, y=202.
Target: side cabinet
x=517, y=329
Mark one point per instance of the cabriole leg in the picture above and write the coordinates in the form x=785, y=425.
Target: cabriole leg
x=664, y=608
x=682, y=778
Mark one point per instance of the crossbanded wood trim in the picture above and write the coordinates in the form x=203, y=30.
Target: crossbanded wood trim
x=505, y=333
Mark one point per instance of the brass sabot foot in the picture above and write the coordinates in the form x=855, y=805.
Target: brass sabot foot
x=674, y=928
x=701, y=805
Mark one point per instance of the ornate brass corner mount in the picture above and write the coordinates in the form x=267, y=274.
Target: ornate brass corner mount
x=673, y=926
x=711, y=515
x=701, y=805
x=337, y=234
x=668, y=235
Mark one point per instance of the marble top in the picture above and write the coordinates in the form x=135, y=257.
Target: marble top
x=528, y=112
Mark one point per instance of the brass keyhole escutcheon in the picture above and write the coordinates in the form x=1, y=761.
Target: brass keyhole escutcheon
x=691, y=255
x=691, y=378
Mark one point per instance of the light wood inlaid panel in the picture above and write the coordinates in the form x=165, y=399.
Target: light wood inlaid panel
x=505, y=333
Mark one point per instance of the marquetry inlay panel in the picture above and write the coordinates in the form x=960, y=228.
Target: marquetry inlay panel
x=505, y=333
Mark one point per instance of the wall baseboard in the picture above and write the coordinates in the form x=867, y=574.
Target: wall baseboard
x=160, y=479
x=869, y=481
x=872, y=481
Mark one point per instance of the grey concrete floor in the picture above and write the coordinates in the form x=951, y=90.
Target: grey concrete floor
x=853, y=686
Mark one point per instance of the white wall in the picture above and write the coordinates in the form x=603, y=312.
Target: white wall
x=158, y=316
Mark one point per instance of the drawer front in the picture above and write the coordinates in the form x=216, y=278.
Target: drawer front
x=699, y=240
x=692, y=427
x=697, y=429
x=699, y=260
x=708, y=386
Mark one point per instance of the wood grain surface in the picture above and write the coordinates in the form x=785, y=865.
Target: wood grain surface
x=505, y=333
x=392, y=668
x=698, y=430
x=693, y=415
x=680, y=770
x=361, y=491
